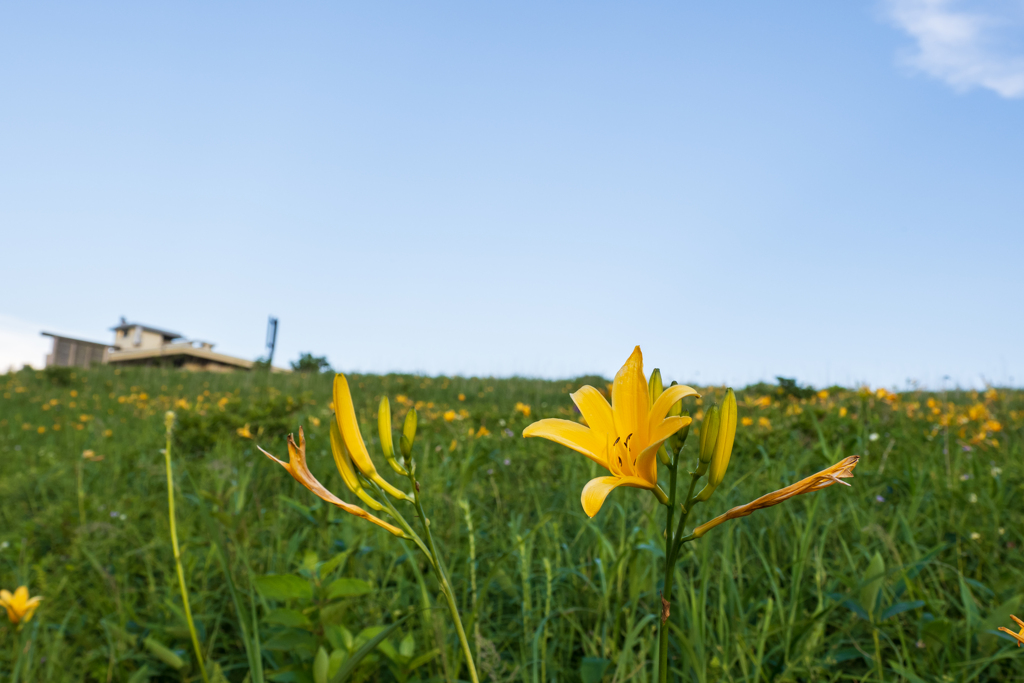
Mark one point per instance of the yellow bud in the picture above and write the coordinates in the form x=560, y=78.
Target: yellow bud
x=408, y=433
x=386, y=443
x=346, y=468
x=654, y=386
x=723, y=446
x=709, y=433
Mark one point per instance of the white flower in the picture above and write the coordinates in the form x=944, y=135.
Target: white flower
x=1002, y=531
x=996, y=471
x=973, y=498
x=975, y=536
x=5, y=545
x=873, y=436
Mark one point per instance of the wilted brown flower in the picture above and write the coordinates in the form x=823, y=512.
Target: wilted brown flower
x=832, y=475
x=1018, y=636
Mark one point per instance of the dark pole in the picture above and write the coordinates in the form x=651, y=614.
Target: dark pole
x=271, y=339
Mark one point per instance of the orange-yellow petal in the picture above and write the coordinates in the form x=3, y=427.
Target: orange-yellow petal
x=668, y=398
x=598, y=489
x=297, y=467
x=572, y=434
x=630, y=398
x=595, y=410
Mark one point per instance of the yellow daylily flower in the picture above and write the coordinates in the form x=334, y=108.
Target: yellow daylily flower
x=20, y=607
x=828, y=476
x=623, y=437
x=297, y=467
x=1018, y=636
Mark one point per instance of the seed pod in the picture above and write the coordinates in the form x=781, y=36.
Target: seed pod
x=408, y=433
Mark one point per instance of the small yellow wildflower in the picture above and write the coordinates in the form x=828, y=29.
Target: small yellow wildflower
x=764, y=422
x=746, y=421
x=842, y=412
x=41, y=429
x=244, y=432
x=483, y=431
x=462, y=397
x=315, y=421
x=449, y=415
x=19, y=606
x=523, y=408
x=453, y=445
x=108, y=433
x=91, y=456
x=823, y=395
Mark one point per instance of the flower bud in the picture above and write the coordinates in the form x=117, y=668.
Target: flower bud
x=408, y=433
x=723, y=446
x=709, y=433
x=169, y=420
x=655, y=386
x=386, y=443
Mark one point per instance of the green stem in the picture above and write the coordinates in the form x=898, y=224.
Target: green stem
x=442, y=579
x=177, y=560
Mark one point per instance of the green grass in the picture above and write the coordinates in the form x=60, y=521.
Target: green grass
x=783, y=595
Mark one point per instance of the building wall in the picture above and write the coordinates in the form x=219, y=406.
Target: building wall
x=72, y=352
x=137, y=338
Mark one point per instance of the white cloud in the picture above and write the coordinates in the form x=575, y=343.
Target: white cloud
x=966, y=44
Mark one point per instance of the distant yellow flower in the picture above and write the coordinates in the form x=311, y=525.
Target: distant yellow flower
x=1019, y=636
x=764, y=422
x=20, y=607
x=452, y=446
x=314, y=420
x=842, y=412
x=828, y=476
x=462, y=397
x=746, y=421
x=823, y=395
x=483, y=431
x=108, y=433
x=523, y=408
x=41, y=429
x=91, y=456
x=449, y=415
x=623, y=437
x=244, y=432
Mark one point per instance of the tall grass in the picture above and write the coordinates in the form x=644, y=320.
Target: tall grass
x=905, y=576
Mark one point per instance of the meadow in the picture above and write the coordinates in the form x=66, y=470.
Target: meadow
x=546, y=593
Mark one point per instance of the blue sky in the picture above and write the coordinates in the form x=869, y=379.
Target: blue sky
x=831, y=191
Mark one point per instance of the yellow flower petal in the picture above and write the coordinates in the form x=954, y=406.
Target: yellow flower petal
x=630, y=398
x=668, y=398
x=595, y=409
x=347, y=470
x=598, y=489
x=571, y=434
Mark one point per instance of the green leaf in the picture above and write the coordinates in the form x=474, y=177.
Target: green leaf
x=592, y=669
x=164, y=654
x=350, y=664
x=348, y=588
x=142, y=675
x=874, y=577
x=298, y=507
x=292, y=639
x=407, y=647
x=901, y=607
x=321, y=663
x=288, y=617
x=338, y=657
x=284, y=587
x=422, y=659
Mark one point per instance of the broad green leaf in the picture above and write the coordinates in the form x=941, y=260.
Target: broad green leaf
x=592, y=669
x=350, y=664
x=407, y=647
x=874, y=577
x=321, y=665
x=348, y=588
x=338, y=658
x=284, y=587
x=288, y=617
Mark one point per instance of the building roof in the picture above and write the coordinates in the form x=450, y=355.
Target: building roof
x=74, y=339
x=182, y=349
x=125, y=326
